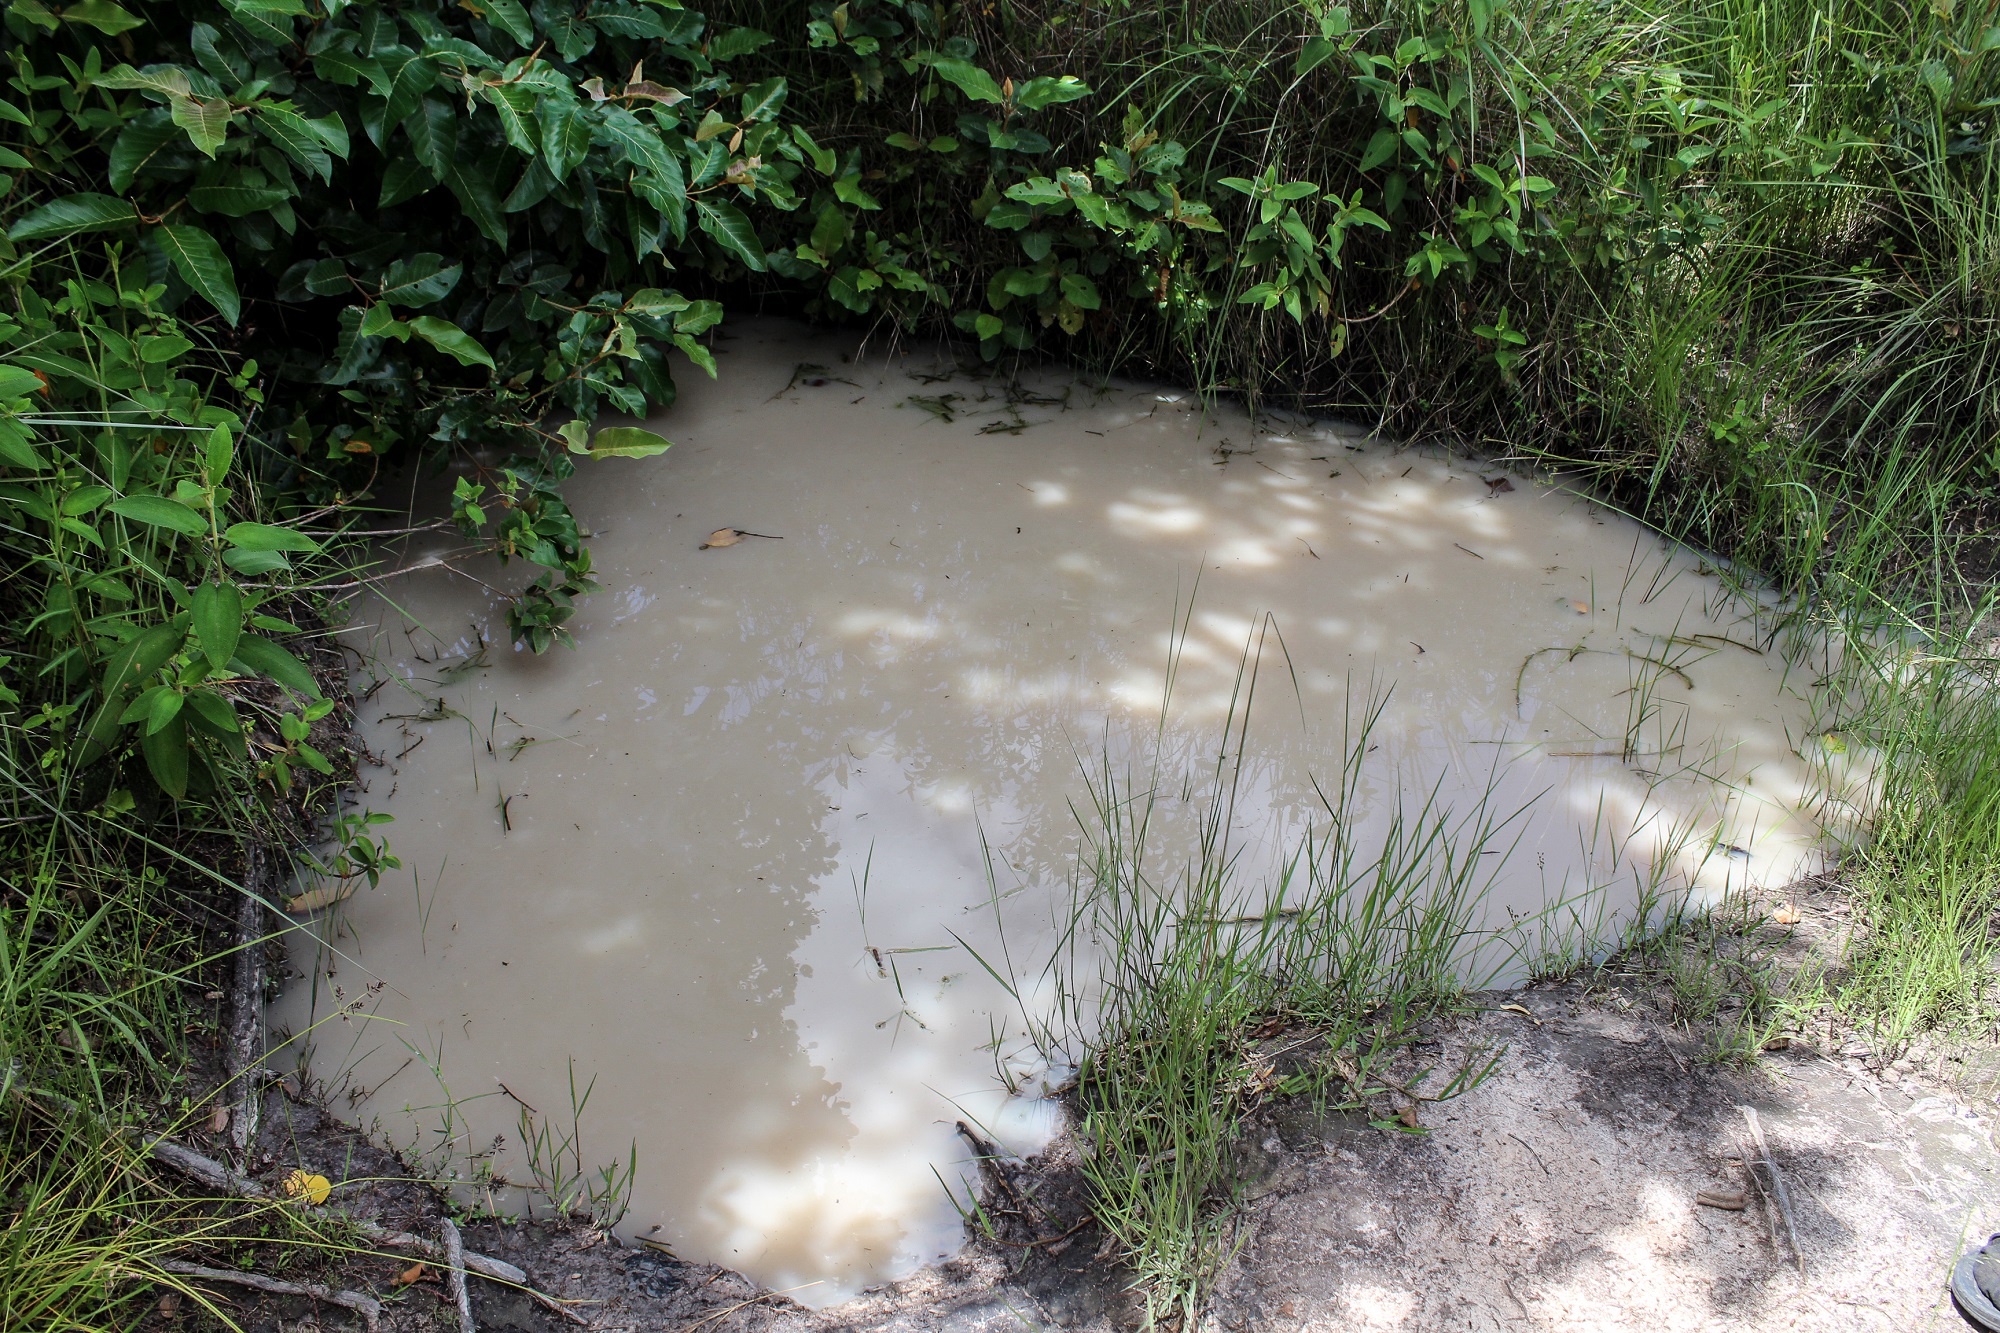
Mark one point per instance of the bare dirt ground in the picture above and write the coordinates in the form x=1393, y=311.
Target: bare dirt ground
x=1559, y=1194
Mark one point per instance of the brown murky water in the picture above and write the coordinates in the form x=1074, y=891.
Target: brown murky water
x=725, y=858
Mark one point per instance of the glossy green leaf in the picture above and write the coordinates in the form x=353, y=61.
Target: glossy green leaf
x=265, y=537
x=298, y=139
x=1038, y=93
x=218, y=455
x=106, y=17
x=141, y=141
x=217, y=610
x=206, y=120
x=419, y=280
x=625, y=442
x=725, y=223
x=202, y=265
x=166, y=753
x=268, y=659
x=969, y=79
x=74, y=214
x=159, y=512
x=450, y=339
x=511, y=18
x=236, y=200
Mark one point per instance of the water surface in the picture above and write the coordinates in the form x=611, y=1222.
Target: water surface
x=725, y=857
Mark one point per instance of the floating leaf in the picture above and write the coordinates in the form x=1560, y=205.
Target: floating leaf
x=326, y=895
x=721, y=537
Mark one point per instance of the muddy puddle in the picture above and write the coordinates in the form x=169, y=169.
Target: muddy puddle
x=746, y=864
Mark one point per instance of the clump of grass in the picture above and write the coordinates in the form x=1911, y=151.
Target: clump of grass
x=1172, y=974
x=1927, y=880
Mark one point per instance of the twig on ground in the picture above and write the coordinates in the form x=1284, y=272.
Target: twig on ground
x=368, y=1307
x=454, y=1261
x=246, y=1018
x=1531, y=1151
x=729, y=1310
x=219, y=1177
x=206, y=1170
x=1778, y=1190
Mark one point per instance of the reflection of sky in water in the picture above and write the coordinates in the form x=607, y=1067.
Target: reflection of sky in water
x=728, y=855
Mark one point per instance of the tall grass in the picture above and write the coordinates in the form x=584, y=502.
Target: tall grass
x=1172, y=976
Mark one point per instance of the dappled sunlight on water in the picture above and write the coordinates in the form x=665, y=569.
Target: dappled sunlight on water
x=759, y=855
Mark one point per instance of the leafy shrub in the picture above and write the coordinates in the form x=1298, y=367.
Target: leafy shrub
x=252, y=250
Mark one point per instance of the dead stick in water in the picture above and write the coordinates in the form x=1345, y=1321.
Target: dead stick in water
x=368, y=1307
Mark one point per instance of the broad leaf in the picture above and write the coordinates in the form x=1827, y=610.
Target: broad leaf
x=725, y=223
x=236, y=200
x=419, y=280
x=138, y=143
x=264, y=537
x=202, y=265
x=74, y=214
x=218, y=621
x=450, y=339
x=625, y=442
x=106, y=17
x=166, y=752
x=268, y=659
x=969, y=79
x=159, y=512
x=205, y=120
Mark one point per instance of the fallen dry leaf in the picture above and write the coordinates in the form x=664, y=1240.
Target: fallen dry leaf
x=1578, y=605
x=412, y=1275
x=721, y=537
x=326, y=895
x=1523, y=1012
x=218, y=1119
x=303, y=1184
x=1786, y=915
x=1408, y=1115
x=1730, y=1200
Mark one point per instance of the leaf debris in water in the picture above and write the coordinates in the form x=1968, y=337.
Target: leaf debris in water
x=943, y=406
x=731, y=536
